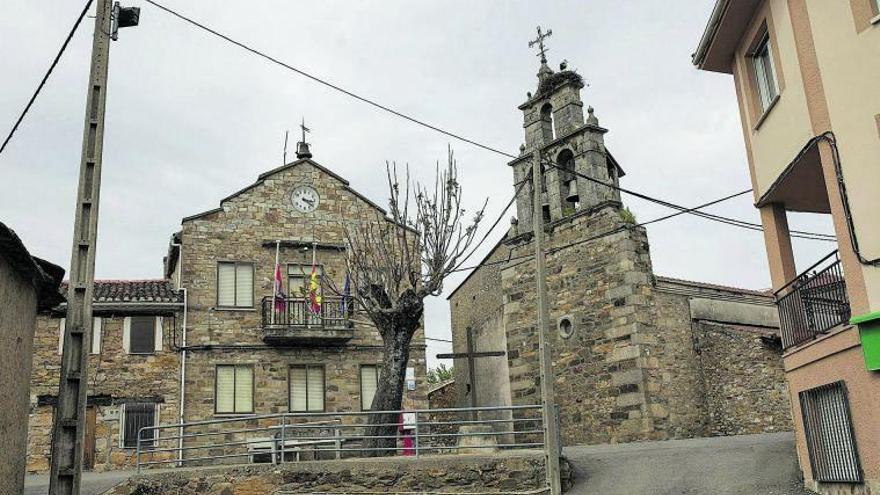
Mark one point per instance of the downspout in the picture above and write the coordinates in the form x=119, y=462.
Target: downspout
x=180, y=406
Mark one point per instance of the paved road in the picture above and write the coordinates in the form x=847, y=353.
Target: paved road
x=92, y=483
x=740, y=465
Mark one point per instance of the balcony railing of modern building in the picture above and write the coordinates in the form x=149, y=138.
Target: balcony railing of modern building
x=290, y=320
x=814, y=303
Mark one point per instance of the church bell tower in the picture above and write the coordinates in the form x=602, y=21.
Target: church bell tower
x=553, y=119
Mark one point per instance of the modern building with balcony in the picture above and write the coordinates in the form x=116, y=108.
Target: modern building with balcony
x=806, y=74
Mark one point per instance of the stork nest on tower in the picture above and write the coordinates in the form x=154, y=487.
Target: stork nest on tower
x=556, y=79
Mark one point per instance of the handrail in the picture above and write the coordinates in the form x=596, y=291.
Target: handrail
x=805, y=273
x=280, y=436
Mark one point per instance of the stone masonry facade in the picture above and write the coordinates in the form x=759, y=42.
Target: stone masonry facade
x=635, y=356
x=115, y=376
x=244, y=229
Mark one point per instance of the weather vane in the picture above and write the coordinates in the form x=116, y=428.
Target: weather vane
x=304, y=129
x=542, y=51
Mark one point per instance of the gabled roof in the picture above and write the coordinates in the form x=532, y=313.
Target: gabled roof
x=262, y=178
x=133, y=291
x=44, y=276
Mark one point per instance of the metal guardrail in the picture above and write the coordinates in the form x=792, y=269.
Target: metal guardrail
x=292, y=437
x=813, y=303
x=295, y=313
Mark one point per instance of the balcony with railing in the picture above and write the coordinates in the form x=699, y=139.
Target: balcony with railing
x=814, y=303
x=291, y=321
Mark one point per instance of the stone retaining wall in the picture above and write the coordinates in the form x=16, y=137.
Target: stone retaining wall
x=519, y=473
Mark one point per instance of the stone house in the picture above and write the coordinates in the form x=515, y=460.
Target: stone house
x=636, y=356
x=240, y=355
x=27, y=285
x=211, y=321
x=133, y=371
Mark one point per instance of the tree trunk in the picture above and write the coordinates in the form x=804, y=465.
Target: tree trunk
x=396, y=337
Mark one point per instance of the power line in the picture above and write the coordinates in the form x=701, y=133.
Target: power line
x=327, y=83
x=46, y=76
x=438, y=340
x=717, y=218
x=682, y=209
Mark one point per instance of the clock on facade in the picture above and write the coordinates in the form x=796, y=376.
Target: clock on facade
x=304, y=198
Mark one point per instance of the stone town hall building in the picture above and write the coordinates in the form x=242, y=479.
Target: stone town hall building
x=636, y=356
x=210, y=321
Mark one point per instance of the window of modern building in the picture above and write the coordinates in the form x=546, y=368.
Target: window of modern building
x=369, y=383
x=142, y=334
x=97, y=328
x=306, y=388
x=830, y=437
x=234, y=389
x=137, y=415
x=235, y=284
x=765, y=72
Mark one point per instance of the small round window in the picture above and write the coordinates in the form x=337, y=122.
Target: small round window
x=566, y=329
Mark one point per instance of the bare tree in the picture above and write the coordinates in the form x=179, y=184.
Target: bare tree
x=395, y=264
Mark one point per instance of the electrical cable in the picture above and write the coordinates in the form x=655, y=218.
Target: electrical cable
x=46, y=76
x=730, y=221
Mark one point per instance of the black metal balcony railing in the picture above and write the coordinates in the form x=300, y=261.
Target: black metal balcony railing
x=296, y=313
x=813, y=303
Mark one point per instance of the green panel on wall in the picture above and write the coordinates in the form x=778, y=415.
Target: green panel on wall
x=869, y=333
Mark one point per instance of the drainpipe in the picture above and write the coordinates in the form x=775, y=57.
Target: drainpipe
x=180, y=404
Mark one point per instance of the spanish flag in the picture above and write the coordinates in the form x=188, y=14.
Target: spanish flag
x=314, y=288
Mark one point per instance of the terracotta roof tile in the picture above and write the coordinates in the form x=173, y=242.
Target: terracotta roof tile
x=133, y=291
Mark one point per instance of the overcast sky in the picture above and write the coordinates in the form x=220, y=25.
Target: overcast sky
x=191, y=119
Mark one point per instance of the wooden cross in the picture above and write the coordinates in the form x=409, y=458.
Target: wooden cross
x=471, y=356
x=540, y=42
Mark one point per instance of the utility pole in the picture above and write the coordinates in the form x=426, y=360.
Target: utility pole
x=545, y=351
x=68, y=426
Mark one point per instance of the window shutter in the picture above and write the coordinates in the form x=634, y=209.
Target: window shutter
x=298, y=388
x=244, y=389
x=226, y=284
x=96, y=335
x=61, y=335
x=369, y=383
x=126, y=334
x=244, y=285
x=142, y=338
x=315, y=375
x=225, y=389
x=158, y=332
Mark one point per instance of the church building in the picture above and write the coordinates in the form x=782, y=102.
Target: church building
x=636, y=356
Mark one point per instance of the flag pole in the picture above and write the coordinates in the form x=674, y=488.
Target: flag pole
x=275, y=280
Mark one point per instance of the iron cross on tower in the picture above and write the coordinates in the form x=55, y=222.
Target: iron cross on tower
x=304, y=129
x=542, y=51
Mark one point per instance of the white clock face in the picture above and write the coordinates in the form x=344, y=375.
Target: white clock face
x=305, y=198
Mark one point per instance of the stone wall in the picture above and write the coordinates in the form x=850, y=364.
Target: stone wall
x=18, y=307
x=508, y=473
x=606, y=374
x=244, y=229
x=744, y=380
x=115, y=377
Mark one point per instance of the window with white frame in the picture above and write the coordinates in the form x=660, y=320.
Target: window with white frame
x=137, y=415
x=142, y=334
x=97, y=329
x=765, y=72
x=234, y=389
x=369, y=384
x=235, y=284
x=831, y=440
x=306, y=388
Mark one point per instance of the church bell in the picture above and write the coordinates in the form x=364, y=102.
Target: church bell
x=572, y=196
